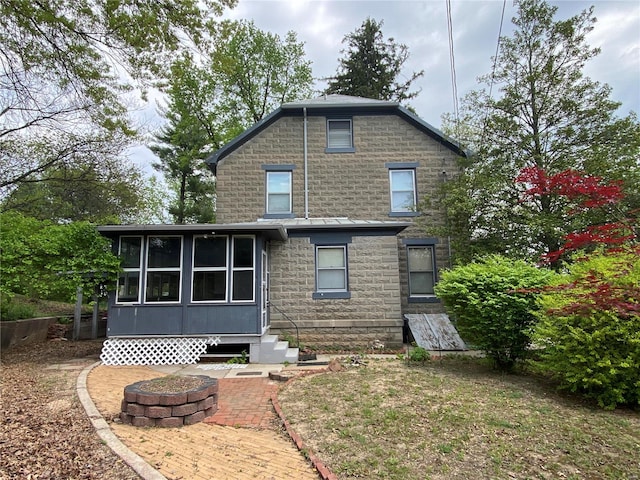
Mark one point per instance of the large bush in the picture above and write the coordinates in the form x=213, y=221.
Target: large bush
x=493, y=303
x=45, y=260
x=590, y=327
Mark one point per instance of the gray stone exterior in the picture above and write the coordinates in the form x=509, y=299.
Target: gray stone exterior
x=350, y=185
x=372, y=313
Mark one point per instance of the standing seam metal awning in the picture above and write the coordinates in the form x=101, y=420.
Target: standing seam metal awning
x=270, y=231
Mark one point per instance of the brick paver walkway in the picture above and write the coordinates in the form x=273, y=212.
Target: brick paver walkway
x=245, y=402
x=207, y=451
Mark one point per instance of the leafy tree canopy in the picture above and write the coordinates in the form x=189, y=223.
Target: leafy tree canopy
x=371, y=66
x=49, y=261
x=210, y=100
x=66, y=68
x=549, y=116
x=257, y=71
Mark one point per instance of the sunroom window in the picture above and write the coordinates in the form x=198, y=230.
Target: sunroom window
x=130, y=252
x=209, y=269
x=243, y=269
x=164, y=268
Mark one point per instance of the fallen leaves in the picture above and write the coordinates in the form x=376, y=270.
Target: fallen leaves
x=44, y=431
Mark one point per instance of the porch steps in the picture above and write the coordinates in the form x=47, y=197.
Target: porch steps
x=274, y=351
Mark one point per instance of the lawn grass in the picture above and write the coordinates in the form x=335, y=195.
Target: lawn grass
x=456, y=418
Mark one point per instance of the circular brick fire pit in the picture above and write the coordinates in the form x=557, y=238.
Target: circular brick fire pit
x=169, y=401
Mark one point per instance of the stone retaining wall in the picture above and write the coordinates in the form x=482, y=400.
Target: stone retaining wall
x=148, y=409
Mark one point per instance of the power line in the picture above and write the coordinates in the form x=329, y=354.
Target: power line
x=454, y=86
x=493, y=70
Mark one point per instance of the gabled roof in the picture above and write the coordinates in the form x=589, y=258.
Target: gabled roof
x=334, y=104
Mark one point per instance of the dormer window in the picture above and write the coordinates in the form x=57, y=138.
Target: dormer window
x=340, y=135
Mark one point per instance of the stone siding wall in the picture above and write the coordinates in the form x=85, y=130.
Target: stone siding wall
x=351, y=185
x=373, y=283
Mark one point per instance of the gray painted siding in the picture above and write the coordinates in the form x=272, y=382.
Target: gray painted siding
x=187, y=318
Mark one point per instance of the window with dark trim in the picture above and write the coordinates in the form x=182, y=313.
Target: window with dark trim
x=340, y=135
x=402, y=185
x=332, y=276
x=164, y=269
x=278, y=191
x=243, y=269
x=403, y=191
x=223, y=268
x=130, y=253
x=421, y=268
x=210, y=256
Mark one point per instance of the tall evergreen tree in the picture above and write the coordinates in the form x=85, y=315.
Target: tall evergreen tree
x=248, y=74
x=191, y=134
x=371, y=66
x=547, y=115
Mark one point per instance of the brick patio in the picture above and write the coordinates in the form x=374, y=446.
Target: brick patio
x=211, y=450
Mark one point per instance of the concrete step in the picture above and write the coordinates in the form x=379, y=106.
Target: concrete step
x=274, y=351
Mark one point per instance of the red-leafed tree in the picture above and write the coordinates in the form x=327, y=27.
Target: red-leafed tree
x=584, y=198
x=538, y=110
x=589, y=323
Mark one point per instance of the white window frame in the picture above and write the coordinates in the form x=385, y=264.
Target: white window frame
x=290, y=192
x=344, y=268
x=392, y=190
x=164, y=269
x=432, y=272
x=339, y=148
x=224, y=269
x=233, y=269
x=125, y=270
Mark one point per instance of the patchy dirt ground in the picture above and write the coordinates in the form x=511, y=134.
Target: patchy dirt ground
x=44, y=431
x=456, y=418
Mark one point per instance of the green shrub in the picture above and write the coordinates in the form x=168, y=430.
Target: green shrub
x=48, y=261
x=419, y=354
x=493, y=302
x=11, y=310
x=589, y=328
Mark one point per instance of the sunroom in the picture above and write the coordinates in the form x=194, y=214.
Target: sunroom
x=191, y=287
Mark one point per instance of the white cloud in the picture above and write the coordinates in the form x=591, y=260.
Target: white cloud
x=422, y=26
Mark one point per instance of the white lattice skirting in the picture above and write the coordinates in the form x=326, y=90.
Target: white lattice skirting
x=155, y=351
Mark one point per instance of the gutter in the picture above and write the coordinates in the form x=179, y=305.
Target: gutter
x=306, y=176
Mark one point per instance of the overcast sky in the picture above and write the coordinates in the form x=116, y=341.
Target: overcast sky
x=422, y=26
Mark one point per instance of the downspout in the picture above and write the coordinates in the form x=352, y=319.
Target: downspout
x=306, y=178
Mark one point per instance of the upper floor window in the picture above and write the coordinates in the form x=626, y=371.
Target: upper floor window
x=164, y=269
x=340, y=135
x=403, y=190
x=130, y=252
x=279, y=191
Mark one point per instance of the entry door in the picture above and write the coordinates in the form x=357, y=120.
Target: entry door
x=265, y=291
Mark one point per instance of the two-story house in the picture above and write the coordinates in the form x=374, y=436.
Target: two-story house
x=316, y=206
